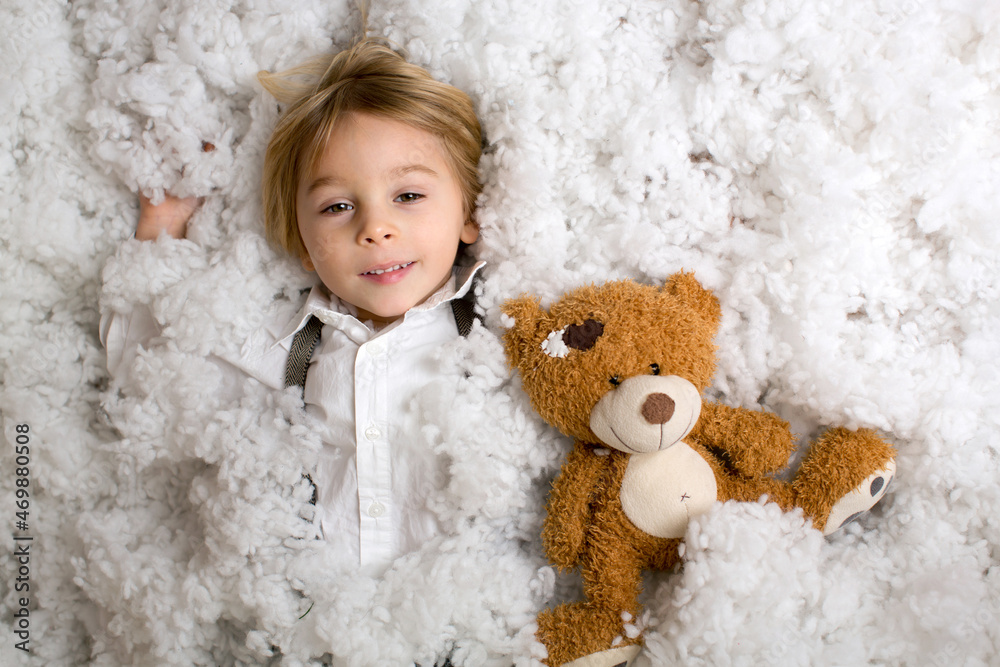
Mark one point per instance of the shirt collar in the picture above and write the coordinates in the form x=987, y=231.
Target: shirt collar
x=331, y=310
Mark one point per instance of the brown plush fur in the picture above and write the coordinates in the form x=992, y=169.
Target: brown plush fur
x=673, y=328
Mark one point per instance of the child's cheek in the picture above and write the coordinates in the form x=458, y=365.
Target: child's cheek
x=323, y=248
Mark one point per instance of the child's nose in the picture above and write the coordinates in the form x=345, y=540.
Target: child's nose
x=376, y=228
x=376, y=236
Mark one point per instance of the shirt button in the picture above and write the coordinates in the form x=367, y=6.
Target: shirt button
x=373, y=433
x=375, y=348
x=376, y=509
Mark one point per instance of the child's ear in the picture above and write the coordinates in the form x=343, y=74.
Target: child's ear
x=307, y=262
x=470, y=232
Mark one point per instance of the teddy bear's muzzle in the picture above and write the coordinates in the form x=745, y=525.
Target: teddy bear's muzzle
x=646, y=413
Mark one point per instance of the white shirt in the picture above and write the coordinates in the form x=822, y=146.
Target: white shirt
x=373, y=478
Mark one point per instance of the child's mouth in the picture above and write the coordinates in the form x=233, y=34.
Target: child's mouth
x=379, y=272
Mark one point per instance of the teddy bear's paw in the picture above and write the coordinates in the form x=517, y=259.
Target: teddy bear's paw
x=861, y=499
x=620, y=656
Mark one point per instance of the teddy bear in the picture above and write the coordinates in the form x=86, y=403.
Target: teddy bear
x=621, y=368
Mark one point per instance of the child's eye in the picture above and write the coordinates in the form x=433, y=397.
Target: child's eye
x=339, y=207
x=409, y=197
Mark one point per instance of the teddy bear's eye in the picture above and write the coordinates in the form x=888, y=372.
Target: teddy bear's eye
x=655, y=368
x=615, y=381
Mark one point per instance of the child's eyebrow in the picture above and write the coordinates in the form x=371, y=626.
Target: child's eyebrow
x=321, y=182
x=410, y=168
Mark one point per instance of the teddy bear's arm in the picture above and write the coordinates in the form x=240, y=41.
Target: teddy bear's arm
x=568, y=511
x=753, y=442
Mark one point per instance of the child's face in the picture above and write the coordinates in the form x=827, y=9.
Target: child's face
x=381, y=216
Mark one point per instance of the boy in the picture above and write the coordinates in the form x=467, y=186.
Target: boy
x=370, y=179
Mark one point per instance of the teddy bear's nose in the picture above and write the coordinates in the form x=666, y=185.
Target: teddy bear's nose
x=658, y=408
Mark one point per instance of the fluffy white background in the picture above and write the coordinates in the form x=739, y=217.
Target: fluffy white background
x=829, y=168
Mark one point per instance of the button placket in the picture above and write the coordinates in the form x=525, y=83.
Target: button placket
x=374, y=464
x=378, y=351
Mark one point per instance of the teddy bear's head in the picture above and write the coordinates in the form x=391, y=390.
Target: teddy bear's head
x=620, y=363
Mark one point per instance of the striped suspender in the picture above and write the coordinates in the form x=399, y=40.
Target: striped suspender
x=464, y=310
x=303, y=346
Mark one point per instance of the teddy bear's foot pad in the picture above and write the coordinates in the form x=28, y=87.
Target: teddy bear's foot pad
x=622, y=656
x=860, y=500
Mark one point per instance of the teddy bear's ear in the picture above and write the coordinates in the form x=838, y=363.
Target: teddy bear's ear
x=684, y=286
x=522, y=316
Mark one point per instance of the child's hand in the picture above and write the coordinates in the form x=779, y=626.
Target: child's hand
x=170, y=216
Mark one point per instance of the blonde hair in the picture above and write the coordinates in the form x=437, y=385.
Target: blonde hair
x=368, y=78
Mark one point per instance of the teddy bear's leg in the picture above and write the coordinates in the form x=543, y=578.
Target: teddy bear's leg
x=844, y=474
x=597, y=633
x=583, y=634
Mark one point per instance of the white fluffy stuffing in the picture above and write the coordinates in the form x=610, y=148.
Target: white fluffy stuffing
x=829, y=168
